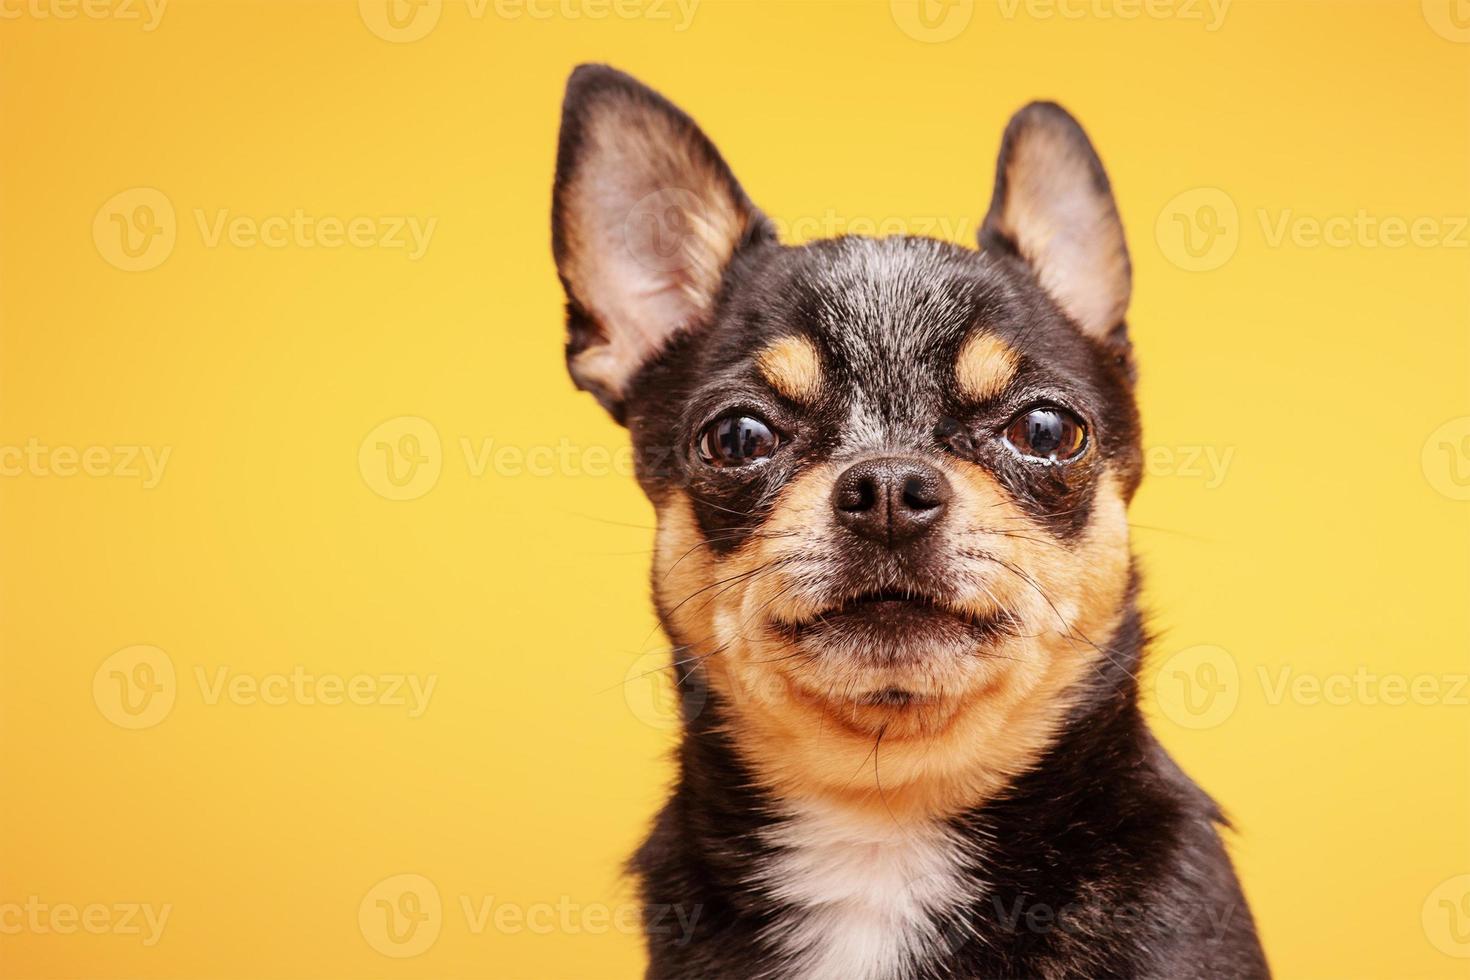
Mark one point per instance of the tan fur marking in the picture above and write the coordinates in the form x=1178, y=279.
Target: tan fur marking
x=793, y=367
x=985, y=366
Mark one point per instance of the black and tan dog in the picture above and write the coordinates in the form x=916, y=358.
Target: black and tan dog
x=891, y=478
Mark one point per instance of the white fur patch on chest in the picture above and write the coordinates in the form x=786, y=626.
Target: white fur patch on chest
x=872, y=898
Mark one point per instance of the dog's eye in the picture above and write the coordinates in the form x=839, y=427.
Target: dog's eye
x=1047, y=433
x=735, y=440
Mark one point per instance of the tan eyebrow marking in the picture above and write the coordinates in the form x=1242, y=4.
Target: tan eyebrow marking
x=985, y=366
x=793, y=367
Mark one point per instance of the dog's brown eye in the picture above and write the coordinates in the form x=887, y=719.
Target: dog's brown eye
x=736, y=440
x=1047, y=433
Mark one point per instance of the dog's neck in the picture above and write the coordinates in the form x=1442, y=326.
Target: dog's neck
x=824, y=889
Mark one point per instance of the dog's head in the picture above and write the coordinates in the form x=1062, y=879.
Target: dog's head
x=890, y=474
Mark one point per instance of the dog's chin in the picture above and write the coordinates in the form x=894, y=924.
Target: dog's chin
x=894, y=629
x=892, y=661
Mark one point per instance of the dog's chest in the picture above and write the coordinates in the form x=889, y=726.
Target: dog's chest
x=864, y=898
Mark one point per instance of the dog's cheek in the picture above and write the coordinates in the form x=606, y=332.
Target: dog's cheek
x=713, y=589
x=682, y=568
x=1085, y=573
x=719, y=605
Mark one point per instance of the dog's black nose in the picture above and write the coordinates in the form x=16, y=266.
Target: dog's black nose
x=890, y=500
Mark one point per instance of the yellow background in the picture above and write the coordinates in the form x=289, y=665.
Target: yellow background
x=1332, y=540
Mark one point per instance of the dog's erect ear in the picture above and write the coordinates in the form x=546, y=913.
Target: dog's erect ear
x=645, y=217
x=1054, y=208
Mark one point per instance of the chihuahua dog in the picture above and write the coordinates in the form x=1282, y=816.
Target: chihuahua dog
x=891, y=478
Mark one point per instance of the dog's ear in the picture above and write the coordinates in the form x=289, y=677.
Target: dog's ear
x=645, y=218
x=1053, y=207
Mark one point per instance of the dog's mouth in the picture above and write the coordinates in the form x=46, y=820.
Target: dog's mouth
x=889, y=622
